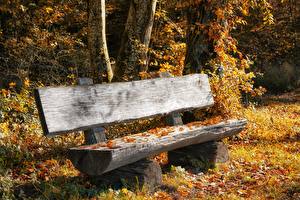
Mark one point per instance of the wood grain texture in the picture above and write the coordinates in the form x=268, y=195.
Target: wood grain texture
x=199, y=157
x=172, y=119
x=93, y=135
x=142, y=173
x=65, y=109
x=100, y=158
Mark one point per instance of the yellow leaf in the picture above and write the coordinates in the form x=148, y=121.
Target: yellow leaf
x=12, y=84
x=219, y=13
x=49, y=10
x=125, y=191
x=5, y=93
x=26, y=82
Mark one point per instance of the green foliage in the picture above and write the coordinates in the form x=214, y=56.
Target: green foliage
x=18, y=121
x=18, y=111
x=6, y=187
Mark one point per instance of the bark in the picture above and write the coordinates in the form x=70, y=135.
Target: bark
x=199, y=47
x=132, y=57
x=136, y=175
x=99, y=58
x=199, y=157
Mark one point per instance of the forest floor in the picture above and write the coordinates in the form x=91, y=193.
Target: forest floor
x=264, y=164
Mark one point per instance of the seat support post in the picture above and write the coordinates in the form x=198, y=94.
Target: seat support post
x=94, y=135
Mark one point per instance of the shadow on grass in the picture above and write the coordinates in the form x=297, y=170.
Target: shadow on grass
x=60, y=188
x=292, y=191
x=12, y=156
x=285, y=98
x=80, y=187
x=264, y=140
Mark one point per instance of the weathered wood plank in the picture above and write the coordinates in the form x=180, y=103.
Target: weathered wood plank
x=65, y=109
x=172, y=119
x=103, y=157
x=93, y=135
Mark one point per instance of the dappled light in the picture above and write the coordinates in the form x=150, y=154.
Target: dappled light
x=149, y=99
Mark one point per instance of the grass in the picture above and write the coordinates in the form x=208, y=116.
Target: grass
x=264, y=164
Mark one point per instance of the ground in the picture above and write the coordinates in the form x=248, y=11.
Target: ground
x=264, y=164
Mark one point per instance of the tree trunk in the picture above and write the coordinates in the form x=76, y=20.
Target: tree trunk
x=132, y=57
x=199, y=47
x=99, y=58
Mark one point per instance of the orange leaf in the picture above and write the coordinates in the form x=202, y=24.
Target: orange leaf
x=111, y=144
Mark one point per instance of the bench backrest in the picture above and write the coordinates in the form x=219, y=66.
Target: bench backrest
x=66, y=109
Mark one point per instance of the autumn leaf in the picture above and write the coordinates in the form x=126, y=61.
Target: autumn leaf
x=12, y=84
x=111, y=144
x=129, y=139
x=26, y=82
x=184, y=192
x=219, y=13
x=49, y=10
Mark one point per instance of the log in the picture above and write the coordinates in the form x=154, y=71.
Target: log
x=73, y=108
x=142, y=173
x=199, y=157
x=104, y=157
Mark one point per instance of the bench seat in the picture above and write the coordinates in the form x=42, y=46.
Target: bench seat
x=99, y=158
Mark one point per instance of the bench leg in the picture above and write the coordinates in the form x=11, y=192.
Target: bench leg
x=199, y=157
x=135, y=176
x=94, y=135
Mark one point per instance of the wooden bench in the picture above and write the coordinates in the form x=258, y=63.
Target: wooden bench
x=89, y=107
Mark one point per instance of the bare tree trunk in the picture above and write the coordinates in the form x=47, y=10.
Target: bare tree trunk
x=99, y=58
x=199, y=48
x=132, y=57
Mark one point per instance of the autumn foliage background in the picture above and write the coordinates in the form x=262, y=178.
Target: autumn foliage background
x=254, y=42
